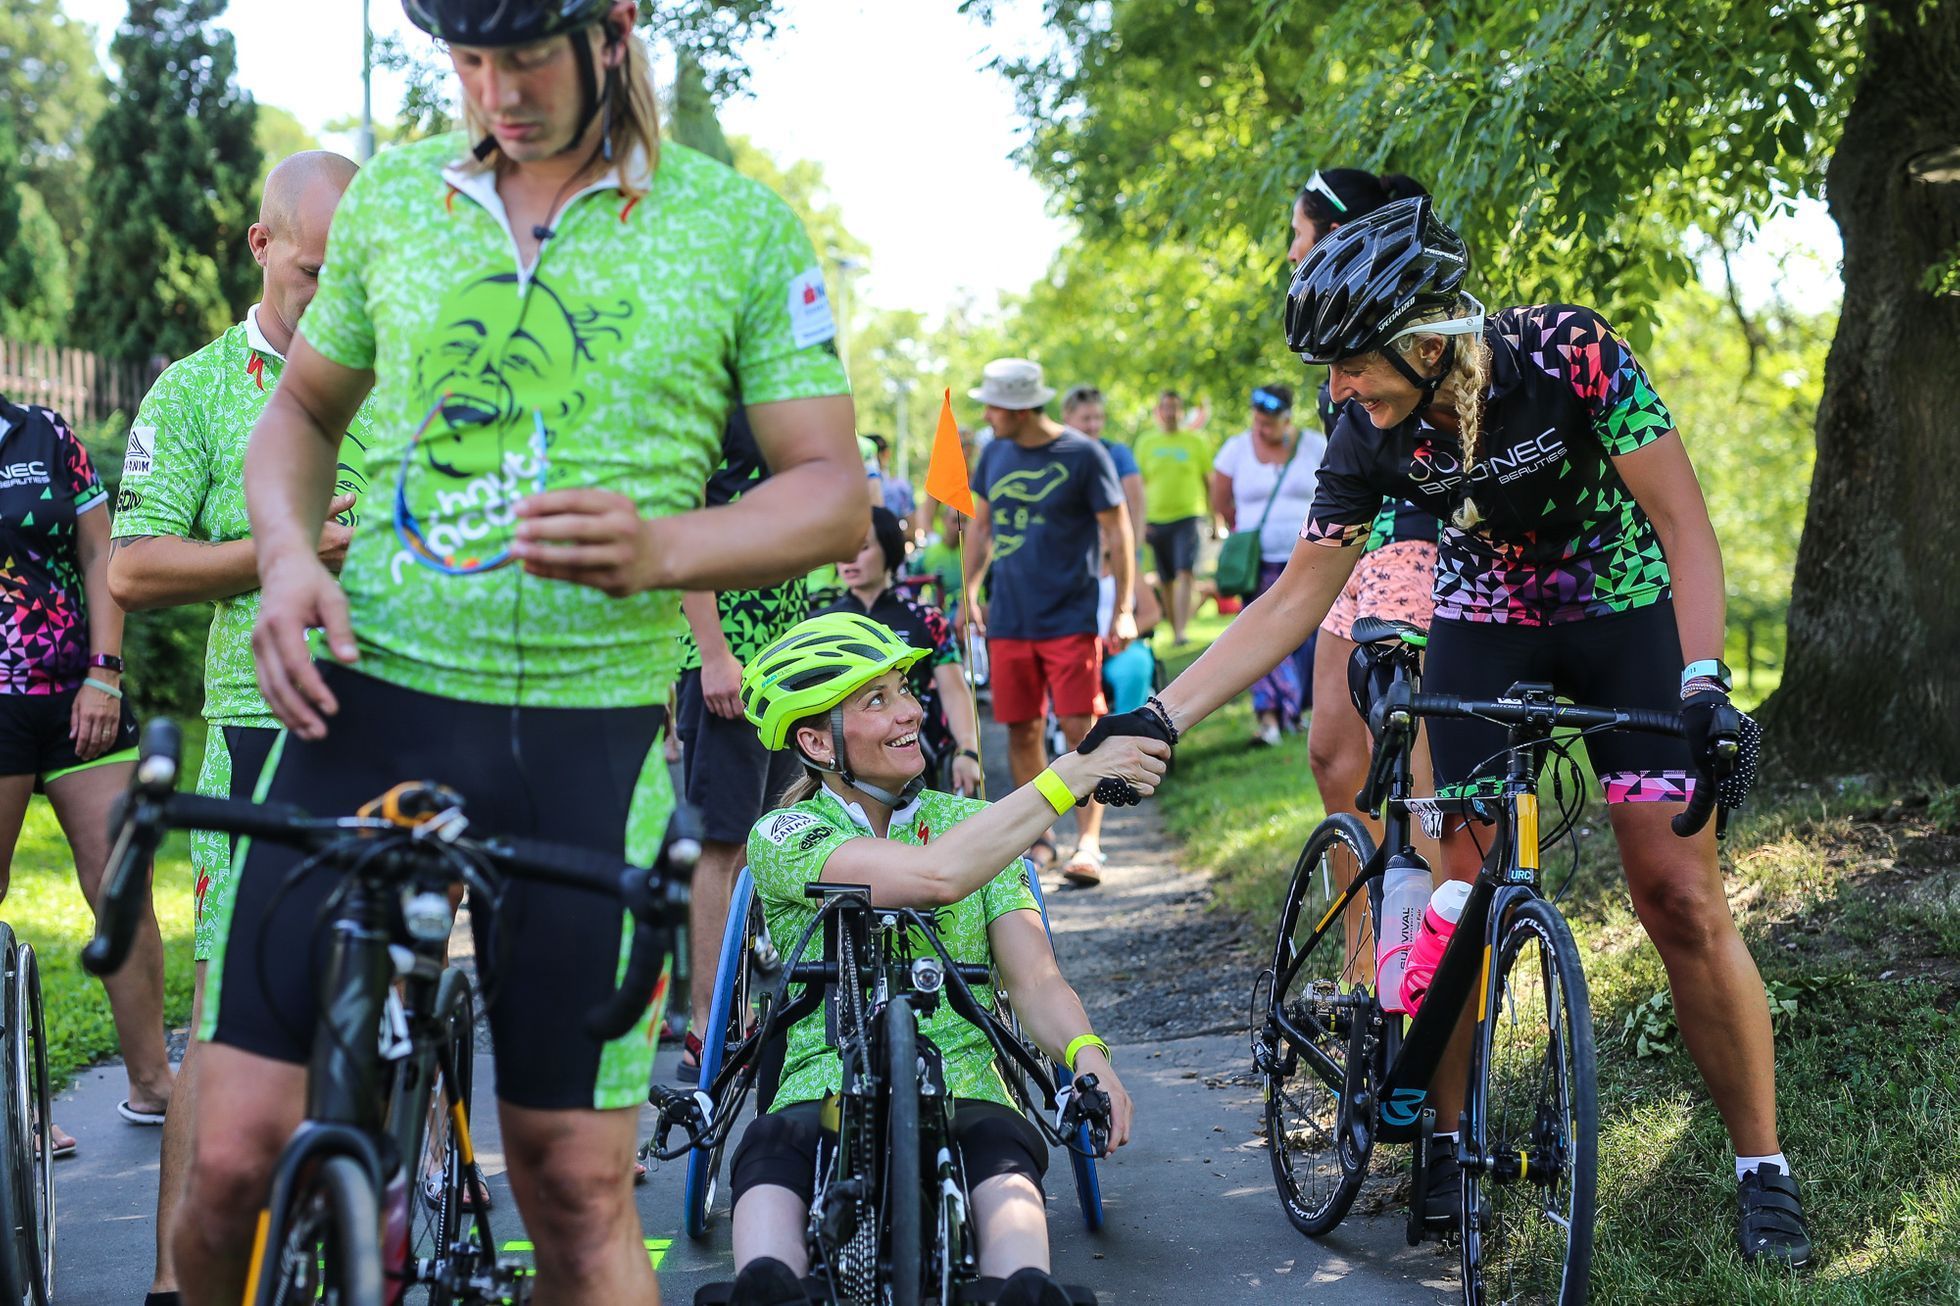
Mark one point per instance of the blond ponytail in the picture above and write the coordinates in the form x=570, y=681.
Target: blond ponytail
x=1467, y=380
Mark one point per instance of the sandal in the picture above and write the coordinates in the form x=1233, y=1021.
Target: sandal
x=475, y=1198
x=689, y=1069
x=1771, y=1230
x=1084, y=867
x=1035, y=849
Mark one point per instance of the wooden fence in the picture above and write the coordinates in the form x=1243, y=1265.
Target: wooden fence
x=85, y=388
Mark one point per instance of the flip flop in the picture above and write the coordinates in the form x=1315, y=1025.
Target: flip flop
x=1044, y=843
x=1084, y=867
x=688, y=1071
x=135, y=1117
x=64, y=1146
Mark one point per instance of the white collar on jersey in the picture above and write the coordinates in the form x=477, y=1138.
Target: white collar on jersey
x=477, y=178
x=903, y=816
x=256, y=337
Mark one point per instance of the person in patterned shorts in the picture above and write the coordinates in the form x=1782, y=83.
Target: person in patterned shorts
x=835, y=694
x=181, y=536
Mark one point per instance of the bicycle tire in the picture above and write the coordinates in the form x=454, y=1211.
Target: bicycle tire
x=27, y=1051
x=1529, y=1237
x=14, y=1273
x=456, y=1179
x=1319, y=1147
x=727, y=1012
x=903, y=1197
x=324, y=1248
x=1088, y=1184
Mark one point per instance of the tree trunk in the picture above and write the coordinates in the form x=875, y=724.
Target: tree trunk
x=1872, y=677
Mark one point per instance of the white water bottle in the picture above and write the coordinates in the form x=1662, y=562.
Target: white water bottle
x=1405, y=892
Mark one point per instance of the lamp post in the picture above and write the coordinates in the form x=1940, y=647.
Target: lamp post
x=365, y=144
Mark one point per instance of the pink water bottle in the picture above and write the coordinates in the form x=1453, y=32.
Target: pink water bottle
x=1438, y=924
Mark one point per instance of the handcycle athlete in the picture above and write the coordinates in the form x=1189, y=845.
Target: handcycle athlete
x=835, y=689
x=1577, y=552
x=555, y=314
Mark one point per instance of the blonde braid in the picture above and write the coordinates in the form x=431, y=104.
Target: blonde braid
x=1468, y=379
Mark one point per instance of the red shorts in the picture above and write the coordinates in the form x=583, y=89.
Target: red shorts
x=1028, y=674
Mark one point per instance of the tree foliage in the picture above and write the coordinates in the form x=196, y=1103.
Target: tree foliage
x=34, y=290
x=172, y=188
x=50, y=78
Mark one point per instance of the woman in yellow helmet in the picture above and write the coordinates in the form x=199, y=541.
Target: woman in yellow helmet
x=835, y=689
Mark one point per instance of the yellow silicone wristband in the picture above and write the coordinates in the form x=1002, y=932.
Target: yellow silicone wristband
x=1082, y=1041
x=1055, y=790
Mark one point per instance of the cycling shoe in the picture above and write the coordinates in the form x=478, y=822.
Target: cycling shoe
x=1032, y=1287
x=766, y=1281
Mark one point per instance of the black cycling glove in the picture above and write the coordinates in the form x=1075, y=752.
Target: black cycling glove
x=1707, y=716
x=1142, y=722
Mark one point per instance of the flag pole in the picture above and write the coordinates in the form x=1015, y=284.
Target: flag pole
x=947, y=482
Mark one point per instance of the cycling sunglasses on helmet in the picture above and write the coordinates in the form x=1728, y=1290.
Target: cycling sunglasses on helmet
x=1470, y=325
x=1318, y=185
x=409, y=529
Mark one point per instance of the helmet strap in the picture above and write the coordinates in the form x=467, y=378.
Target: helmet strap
x=1427, y=384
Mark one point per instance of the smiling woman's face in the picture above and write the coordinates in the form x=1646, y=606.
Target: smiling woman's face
x=881, y=733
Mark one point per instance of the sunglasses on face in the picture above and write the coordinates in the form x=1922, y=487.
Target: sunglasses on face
x=1318, y=185
x=409, y=529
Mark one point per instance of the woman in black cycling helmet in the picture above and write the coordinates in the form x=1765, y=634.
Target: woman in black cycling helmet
x=1572, y=523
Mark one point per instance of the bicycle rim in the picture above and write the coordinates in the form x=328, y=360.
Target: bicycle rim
x=1534, y=1117
x=903, y=1200
x=15, y=1215
x=1319, y=987
x=327, y=1252
x=35, y=1140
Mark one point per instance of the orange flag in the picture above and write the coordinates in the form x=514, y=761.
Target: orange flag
x=946, y=471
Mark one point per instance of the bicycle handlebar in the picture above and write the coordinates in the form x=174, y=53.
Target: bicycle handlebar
x=152, y=807
x=1544, y=714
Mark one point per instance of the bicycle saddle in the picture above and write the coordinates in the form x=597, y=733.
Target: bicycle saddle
x=1373, y=630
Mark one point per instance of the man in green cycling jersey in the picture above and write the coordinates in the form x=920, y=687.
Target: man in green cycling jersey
x=554, y=314
x=180, y=536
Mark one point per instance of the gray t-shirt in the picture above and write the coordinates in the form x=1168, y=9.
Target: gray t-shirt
x=1047, y=546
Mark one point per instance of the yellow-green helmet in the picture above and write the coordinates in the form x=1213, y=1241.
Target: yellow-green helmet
x=816, y=665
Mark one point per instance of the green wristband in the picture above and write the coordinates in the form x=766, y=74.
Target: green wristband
x=1056, y=791
x=104, y=686
x=1074, y=1049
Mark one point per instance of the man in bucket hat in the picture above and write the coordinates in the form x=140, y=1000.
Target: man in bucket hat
x=1046, y=497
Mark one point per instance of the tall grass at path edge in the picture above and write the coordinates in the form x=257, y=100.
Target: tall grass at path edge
x=1848, y=895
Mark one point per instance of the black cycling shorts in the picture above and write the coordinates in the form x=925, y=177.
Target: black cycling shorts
x=34, y=737
x=725, y=770
x=546, y=954
x=780, y=1148
x=1174, y=544
x=1628, y=659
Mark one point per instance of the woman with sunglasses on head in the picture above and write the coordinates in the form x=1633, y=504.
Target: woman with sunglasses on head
x=1263, y=480
x=1577, y=550
x=837, y=692
x=555, y=313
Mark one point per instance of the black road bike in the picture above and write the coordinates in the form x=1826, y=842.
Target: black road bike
x=889, y=1219
x=1340, y=1074
x=26, y=1142
x=377, y=1199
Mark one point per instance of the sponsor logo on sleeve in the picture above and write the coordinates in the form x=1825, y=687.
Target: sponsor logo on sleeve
x=814, y=838
x=810, y=320
x=140, y=457
x=128, y=500
x=777, y=829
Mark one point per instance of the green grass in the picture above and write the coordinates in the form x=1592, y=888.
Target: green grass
x=1833, y=888
x=44, y=905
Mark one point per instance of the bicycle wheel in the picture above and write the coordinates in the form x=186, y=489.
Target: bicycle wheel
x=1312, y=1016
x=16, y=1215
x=728, y=1018
x=903, y=1196
x=324, y=1248
x=1088, y=1186
x=29, y=1119
x=1533, y=1116
x=446, y=1184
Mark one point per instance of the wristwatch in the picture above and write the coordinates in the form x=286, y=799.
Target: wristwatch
x=107, y=661
x=968, y=752
x=1709, y=669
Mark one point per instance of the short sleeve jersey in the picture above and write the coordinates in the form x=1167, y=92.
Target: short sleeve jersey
x=787, y=850
x=1562, y=538
x=1042, y=505
x=184, y=475
x=46, y=483
x=1399, y=519
x=1126, y=462
x=1174, y=464
x=626, y=343
x=750, y=619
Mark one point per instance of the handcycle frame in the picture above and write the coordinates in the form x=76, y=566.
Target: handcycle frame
x=362, y=1105
x=874, y=941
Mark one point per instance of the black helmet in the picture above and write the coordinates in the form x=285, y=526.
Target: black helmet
x=495, y=23
x=1368, y=277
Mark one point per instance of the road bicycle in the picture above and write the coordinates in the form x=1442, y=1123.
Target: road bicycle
x=377, y=1199
x=889, y=1215
x=1340, y=1074
x=744, y=981
x=26, y=1135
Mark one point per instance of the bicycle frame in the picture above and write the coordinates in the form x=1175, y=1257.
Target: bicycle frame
x=1408, y=1059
